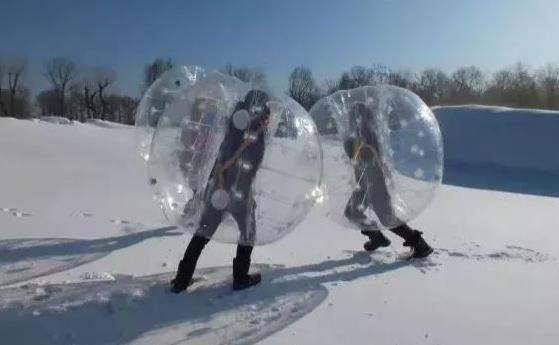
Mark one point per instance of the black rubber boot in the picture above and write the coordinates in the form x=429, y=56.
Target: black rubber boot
x=241, y=265
x=376, y=240
x=419, y=247
x=188, y=263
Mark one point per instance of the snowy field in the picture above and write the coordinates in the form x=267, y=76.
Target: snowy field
x=86, y=255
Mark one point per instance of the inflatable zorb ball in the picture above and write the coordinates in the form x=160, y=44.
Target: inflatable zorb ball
x=383, y=155
x=234, y=164
x=164, y=91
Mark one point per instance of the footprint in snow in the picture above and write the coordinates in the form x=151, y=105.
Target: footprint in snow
x=21, y=214
x=509, y=253
x=119, y=221
x=15, y=212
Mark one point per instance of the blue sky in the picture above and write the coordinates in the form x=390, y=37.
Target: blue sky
x=328, y=36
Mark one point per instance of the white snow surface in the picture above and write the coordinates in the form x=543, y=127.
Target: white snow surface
x=86, y=257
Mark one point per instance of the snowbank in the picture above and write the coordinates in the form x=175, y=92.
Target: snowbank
x=503, y=137
x=59, y=120
x=107, y=124
x=56, y=120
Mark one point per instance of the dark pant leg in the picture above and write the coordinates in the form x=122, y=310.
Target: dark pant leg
x=208, y=225
x=380, y=199
x=358, y=201
x=209, y=221
x=194, y=249
x=244, y=214
x=241, y=265
x=211, y=218
x=404, y=231
x=244, y=252
x=384, y=210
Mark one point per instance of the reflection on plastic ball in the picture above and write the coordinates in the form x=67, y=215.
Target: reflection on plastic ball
x=241, y=119
x=238, y=195
x=220, y=199
x=218, y=154
x=165, y=90
x=246, y=166
x=383, y=157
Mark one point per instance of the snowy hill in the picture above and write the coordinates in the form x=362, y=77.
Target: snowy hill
x=512, y=138
x=85, y=255
x=501, y=148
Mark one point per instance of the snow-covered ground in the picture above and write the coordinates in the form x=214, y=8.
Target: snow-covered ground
x=85, y=257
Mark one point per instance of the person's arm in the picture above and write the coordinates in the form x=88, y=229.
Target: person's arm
x=218, y=159
x=377, y=159
x=348, y=147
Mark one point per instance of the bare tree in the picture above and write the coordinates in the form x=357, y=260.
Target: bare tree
x=155, y=69
x=89, y=94
x=250, y=75
x=302, y=87
x=3, y=108
x=405, y=79
x=498, y=88
x=525, y=88
x=548, y=81
x=514, y=86
x=15, y=68
x=104, y=77
x=75, y=104
x=379, y=74
x=359, y=76
x=330, y=86
x=432, y=86
x=466, y=85
x=88, y=87
x=14, y=98
x=48, y=102
x=121, y=108
x=60, y=72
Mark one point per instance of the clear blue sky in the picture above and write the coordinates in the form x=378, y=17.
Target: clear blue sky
x=277, y=35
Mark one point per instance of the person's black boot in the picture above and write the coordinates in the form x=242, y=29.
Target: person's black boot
x=376, y=240
x=420, y=248
x=187, y=265
x=183, y=279
x=241, y=265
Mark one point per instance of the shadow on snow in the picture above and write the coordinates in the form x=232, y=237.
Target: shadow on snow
x=142, y=311
x=24, y=259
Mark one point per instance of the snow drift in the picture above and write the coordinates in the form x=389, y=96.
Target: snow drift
x=501, y=148
x=511, y=138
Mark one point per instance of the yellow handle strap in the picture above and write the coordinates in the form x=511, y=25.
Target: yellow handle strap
x=231, y=161
x=357, y=145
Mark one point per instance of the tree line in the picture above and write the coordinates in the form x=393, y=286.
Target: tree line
x=515, y=86
x=82, y=94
